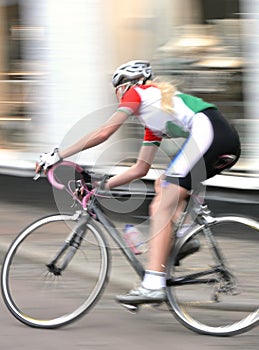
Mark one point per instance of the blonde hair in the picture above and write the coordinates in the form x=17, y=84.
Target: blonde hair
x=167, y=91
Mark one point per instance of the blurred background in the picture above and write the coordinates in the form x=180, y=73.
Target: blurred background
x=57, y=58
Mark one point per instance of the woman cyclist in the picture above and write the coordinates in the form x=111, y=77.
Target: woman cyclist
x=164, y=112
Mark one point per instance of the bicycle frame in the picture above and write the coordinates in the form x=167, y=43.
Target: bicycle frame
x=91, y=211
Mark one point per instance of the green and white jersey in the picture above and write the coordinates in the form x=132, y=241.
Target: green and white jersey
x=145, y=102
x=190, y=104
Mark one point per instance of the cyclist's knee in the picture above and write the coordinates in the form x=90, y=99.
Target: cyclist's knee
x=168, y=200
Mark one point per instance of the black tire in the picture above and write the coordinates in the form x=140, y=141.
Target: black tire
x=37, y=297
x=215, y=307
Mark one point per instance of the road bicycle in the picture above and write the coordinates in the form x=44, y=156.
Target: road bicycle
x=57, y=268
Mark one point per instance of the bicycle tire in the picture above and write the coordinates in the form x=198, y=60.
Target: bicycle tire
x=215, y=307
x=40, y=299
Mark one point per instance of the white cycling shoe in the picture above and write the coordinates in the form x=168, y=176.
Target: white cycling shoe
x=142, y=295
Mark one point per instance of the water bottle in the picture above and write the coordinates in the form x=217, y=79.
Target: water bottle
x=133, y=238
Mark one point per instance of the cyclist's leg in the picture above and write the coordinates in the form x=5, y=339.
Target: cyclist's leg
x=165, y=209
x=168, y=201
x=190, y=170
x=185, y=171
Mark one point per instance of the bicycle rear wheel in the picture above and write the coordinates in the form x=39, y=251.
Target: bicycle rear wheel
x=40, y=298
x=205, y=299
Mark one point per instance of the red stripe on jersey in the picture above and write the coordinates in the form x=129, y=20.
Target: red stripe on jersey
x=131, y=100
x=149, y=136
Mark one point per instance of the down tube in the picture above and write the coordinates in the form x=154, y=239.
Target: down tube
x=116, y=236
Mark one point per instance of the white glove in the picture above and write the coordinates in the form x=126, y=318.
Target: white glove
x=49, y=159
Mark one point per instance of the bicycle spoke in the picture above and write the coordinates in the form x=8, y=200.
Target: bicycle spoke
x=44, y=294
x=222, y=300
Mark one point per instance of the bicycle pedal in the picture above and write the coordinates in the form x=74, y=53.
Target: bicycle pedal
x=131, y=308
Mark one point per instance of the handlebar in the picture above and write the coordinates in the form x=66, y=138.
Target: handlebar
x=51, y=173
x=85, y=180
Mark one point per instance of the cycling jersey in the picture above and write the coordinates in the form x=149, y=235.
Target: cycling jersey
x=145, y=102
x=208, y=134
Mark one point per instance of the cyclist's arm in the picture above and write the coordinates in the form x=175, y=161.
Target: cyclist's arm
x=97, y=136
x=136, y=171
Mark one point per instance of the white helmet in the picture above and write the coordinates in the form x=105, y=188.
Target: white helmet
x=132, y=71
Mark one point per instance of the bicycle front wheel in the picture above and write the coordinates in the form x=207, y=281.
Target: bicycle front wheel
x=41, y=297
x=215, y=299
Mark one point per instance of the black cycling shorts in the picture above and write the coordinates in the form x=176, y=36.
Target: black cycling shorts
x=225, y=141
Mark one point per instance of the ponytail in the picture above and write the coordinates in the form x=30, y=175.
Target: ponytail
x=167, y=92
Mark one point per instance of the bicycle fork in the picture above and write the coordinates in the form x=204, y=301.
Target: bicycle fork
x=69, y=248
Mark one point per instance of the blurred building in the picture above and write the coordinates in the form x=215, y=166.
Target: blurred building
x=57, y=57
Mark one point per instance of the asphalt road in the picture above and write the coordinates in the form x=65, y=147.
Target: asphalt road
x=107, y=326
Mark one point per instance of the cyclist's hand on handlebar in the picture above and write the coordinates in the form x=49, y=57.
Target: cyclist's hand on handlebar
x=47, y=160
x=86, y=185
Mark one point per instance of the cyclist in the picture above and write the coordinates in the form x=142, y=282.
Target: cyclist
x=164, y=112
